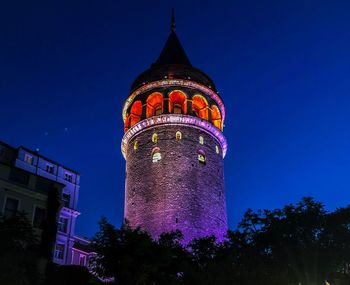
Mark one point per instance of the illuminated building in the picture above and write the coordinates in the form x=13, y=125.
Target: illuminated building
x=32, y=177
x=36, y=196
x=174, y=149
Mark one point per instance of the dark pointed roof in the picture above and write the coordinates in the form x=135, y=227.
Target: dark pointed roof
x=173, y=52
x=172, y=63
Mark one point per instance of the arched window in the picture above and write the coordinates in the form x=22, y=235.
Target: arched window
x=216, y=117
x=178, y=135
x=136, y=145
x=201, y=157
x=200, y=106
x=135, y=113
x=201, y=140
x=156, y=156
x=155, y=138
x=177, y=102
x=154, y=104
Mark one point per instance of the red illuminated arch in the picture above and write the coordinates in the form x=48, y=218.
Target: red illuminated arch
x=154, y=104
x=135, y=113
x=216, y=117
x=177, y=102
x=200, y=106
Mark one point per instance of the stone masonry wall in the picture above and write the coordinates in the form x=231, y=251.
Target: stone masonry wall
x=177, y=192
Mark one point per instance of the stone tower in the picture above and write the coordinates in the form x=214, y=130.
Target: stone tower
x=174, y=149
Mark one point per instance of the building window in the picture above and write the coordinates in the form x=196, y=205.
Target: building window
x=59, y=250
x=50, y=168
x=135, y=113
x=200, y=107
x=82, y=260
x=136, y=145
x=156, y=155
x=66, y=200
x=154, y=104
x=39, y=218
x=217, y=150
x=11, y=207
x=177, y=102
x=216, y=117
x=68, y=177
x=28, y=159
x=178, y=135
x=201, y=140
x=201, y=156
x=155, y=138
x=62, y=225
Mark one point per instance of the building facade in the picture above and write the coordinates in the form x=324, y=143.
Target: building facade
x=174, y=149
x=47, y=172
x=22, y=191
x=82, y=252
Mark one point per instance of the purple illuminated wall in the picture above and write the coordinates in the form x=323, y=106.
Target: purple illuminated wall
x=179, y=191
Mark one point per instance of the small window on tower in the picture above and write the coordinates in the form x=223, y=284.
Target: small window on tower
x=201, y=156
x=178, y=135
x=217, y=149
x=156, y=155
x=201, y=140
x=155, y=138
x=136, y=145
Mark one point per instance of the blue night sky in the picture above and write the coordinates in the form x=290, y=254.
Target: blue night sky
x=281, y=67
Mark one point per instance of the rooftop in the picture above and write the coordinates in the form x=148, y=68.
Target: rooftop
x=172, y=62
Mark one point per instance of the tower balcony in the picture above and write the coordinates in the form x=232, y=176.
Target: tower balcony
x=174, y=96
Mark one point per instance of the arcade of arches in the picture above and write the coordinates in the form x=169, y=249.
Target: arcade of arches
x=177, y=103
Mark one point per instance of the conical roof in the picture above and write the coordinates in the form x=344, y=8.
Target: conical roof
x=173, y=52
x=172, y=63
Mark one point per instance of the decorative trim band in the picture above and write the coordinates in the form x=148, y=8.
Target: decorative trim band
x=174, y=119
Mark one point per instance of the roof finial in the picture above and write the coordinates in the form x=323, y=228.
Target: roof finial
x=173, y=24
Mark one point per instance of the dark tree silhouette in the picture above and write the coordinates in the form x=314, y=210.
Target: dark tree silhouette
x=18, y=251
x=298, y=244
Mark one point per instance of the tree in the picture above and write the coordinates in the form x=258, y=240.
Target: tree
x=301, y=243
x=18, y=248
x=125, y=254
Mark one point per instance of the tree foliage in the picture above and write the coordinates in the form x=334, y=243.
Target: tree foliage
x=23, y=257
x=299, y=244
x=18, y=251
